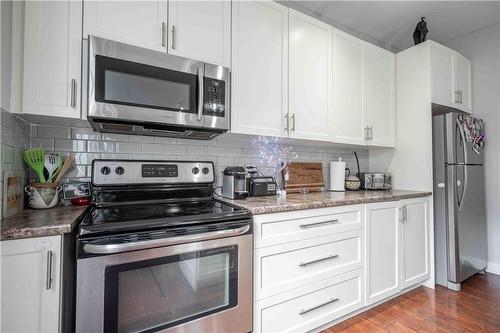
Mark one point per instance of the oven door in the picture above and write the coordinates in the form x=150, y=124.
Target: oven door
x=203, y=287
x=132, y=84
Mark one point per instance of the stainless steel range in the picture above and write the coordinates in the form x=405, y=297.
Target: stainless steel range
x=157, y=253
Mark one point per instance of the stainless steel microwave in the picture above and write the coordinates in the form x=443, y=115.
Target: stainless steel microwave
x=133, y=90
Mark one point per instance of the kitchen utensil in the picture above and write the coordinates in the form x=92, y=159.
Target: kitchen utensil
x=305, y=176
x=42, y=196
x=35, y=158
x=337, y=175
x=357, y=163
x=352, y=183
x=68, y=162
x=52, y=165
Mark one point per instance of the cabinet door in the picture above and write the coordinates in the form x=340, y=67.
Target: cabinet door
x=380, y=99
x=52, y=58
x=259, y=76
x=415, y=233
x=137, y=23
x=382, y=251
x=462, y=82
x=200, y=30
x=442, y=75
x=347, y=120
x=29, y=302
x=310, y=81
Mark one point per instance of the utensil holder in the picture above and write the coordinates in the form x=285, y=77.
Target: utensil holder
x=42, y=196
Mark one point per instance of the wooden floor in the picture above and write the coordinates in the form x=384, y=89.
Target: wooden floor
x=475, y=309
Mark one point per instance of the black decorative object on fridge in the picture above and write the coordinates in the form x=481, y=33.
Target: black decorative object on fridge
x=420, y=33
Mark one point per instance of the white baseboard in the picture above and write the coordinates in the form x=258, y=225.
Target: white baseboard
x=493, y=267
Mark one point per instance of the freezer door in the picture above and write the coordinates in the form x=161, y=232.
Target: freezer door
x=467, y=243
x=458, y=150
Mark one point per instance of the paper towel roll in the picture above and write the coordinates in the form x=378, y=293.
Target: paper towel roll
x=337, y=175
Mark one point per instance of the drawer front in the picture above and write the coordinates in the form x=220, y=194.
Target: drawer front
x=321, y=304
x=289, y=266
x=279, y=228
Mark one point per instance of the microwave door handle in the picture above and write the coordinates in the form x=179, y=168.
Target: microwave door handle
x=200, y=93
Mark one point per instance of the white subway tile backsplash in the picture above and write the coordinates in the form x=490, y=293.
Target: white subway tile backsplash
x=153, y=148
x=225, y=150
x=53, y=132
x=128, y=147
x=70, y=145
x=101, y=146
x=85, y=134
x=141, y=138
x=45, y=143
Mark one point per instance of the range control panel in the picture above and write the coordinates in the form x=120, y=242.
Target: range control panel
x=125, y=172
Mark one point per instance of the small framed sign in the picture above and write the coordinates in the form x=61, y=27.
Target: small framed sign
x=13, y=199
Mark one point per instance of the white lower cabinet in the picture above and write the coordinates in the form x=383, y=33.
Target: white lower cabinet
x=313, y=267
x=30, y=284
x=311, y=306
x=397, y=247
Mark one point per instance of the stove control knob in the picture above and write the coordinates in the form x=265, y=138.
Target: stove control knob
x=195, y=170
x=105, y=170
x=120, y=170
x=205, y=171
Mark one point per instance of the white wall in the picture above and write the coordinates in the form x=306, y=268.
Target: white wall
x=483, y=49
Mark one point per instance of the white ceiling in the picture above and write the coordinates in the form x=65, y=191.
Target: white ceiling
x=392, y=22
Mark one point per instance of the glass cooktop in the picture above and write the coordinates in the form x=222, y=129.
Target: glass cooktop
x=132, y=217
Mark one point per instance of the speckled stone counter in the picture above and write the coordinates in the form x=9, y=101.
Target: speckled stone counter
x=38, y=223
x=276, y=204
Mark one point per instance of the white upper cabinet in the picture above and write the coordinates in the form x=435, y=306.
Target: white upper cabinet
x=380, y=99
x=259, y=77
x=200, y=30
x=52, y=58
x=347, y=118
x=139, y=23
x=442, y=75
x=30, y=284
x=462, y=82
x=451, y=78
x=310, y=77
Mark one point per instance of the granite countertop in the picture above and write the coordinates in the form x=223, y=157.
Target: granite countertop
x=43, y=222
x=276, y=204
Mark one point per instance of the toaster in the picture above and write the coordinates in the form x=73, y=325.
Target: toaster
x=376, y=180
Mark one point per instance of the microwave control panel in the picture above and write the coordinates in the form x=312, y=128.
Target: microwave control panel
x=214, y=97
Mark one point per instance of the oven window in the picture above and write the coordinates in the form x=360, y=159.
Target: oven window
x=129, y=83
x=152, y=295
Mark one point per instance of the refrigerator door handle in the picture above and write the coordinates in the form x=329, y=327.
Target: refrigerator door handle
x=463, y=142
x=464, y=190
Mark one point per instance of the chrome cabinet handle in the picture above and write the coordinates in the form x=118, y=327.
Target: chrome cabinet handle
x=304, y=264
x=287, y=128
x=293, y=122
x=456, y=96
x=366, y=133
x=73, y=93
x=148, y=244
x=332, y=300
x=200, y=93
x=371, y=133
x=173, y=37
x=317, y=224
x=401, y=215
x=405, y=213
x=461, y=97
x=163, y=34
x=48, y=279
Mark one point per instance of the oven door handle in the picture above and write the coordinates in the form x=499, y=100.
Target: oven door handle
x=142, y=245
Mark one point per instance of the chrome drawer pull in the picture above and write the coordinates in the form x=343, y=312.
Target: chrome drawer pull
x=48, y=279
x=303, y=264
x=332, y=300
x=317, y=224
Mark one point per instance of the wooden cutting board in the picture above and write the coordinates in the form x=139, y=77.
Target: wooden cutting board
x=303, y=175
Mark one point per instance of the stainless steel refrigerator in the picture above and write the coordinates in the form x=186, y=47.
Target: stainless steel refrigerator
x=459, y=204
